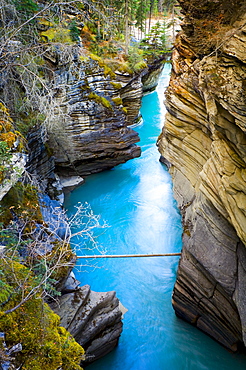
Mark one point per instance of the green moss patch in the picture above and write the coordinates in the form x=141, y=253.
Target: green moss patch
x=100, y=100
x=45, y=345
x=116, y=85
x=117, y=101
x=57, y=34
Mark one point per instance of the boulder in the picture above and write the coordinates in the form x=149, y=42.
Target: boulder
x=94, y=320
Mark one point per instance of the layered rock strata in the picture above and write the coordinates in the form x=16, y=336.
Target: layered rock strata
x=204, y=141
x=94, y=107
x=89, y=130
x=41, y=163
x=94, y=319
x=150, y=79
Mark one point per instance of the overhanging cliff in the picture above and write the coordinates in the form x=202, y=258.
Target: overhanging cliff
x=204, y=140
x=94, y=106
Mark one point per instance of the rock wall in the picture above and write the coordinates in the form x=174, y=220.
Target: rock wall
x=94, y=107
x=205, y=143
x=150, y=80
x=41, y=163
x=89, y=129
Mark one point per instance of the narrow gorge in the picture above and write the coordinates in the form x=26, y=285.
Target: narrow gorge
x=204, y=143
x=79, y=122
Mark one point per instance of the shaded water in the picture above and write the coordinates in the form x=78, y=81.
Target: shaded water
x=135, y=200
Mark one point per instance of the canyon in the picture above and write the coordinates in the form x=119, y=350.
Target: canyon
x=203, y=143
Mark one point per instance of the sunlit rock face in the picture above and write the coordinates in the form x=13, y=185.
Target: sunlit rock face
x=150, y=80
x=89, y=130
x=204, y=140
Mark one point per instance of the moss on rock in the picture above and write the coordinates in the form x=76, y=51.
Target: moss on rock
x=101, y=100
x=45, y=345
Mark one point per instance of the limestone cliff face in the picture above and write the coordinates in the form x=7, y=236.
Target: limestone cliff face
x=204, y=139
x=94, y=106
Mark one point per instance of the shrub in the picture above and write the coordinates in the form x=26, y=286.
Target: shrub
x=26, y=6
x=74, y=31
x=45, y=345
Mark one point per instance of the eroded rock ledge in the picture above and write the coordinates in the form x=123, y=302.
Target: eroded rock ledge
x=94, y=106
x=204, y=140
x=94, y=320
x=89, y=130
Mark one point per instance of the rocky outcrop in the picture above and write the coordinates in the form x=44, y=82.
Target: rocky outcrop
x=94, y=319
x=204, y=141
x=89, y=130
x=94, y=107
x=150, y=79
x=8, y=354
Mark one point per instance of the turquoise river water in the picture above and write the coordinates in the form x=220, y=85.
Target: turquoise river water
x=136, y=202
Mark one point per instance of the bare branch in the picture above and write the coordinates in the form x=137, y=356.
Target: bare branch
x=40, y=249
